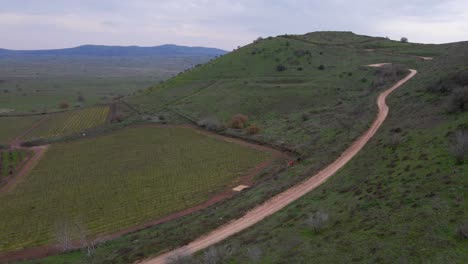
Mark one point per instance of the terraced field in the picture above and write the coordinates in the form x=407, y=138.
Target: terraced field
x=117, y=181
x=69, y=122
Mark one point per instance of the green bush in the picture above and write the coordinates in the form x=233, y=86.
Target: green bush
x=280, y=67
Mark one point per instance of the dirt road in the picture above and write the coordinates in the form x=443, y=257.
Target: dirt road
x=285, y=198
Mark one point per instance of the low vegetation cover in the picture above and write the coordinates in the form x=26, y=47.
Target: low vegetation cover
x=112, y=182
x=402, y=199
x=69, y=122
x=11, y=127
x=9, y=161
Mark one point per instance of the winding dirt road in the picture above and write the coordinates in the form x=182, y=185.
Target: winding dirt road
x=285, y=198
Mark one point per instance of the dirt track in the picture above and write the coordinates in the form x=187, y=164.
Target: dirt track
x=38, y=152
x=285, y=198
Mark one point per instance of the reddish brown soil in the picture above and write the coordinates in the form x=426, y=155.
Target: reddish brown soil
x=285, y=198
x=248, y=179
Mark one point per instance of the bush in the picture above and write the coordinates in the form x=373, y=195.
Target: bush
x=404, y=40
x=321, y=67
x=280, y=67
x=211, y=123
x=463, y=231
x=459, y=146
x=253, y=129
x=460, y=101
x=317, y=220
x=239, y=121
x=64, y=105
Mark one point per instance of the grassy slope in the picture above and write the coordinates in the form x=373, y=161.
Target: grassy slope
x=404, y=204
x=153, y=240
x=164, y=170
x=300, y=109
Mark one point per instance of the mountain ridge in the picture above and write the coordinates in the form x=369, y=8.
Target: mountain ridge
x=107, y=51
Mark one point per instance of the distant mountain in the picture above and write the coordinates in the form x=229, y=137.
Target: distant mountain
x=167, y=50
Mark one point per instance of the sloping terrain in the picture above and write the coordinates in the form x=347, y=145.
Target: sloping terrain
x=403, y=198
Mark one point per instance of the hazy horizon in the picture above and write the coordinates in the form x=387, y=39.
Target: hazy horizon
x=40, y=24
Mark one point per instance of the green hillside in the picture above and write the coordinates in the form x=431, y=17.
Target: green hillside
x=402, y=199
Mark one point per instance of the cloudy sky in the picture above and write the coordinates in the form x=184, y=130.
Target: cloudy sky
x=43, y=24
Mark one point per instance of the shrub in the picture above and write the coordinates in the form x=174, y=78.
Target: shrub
x=299, y=68
x=404, y=40
x=64, y=105
x=317, y=220
x=253, y=129
x=211, y=123
x=459, y=146
x=321, y=67
x=280, y=67
x=460, y=101
x=463, y=231
x=239, y=121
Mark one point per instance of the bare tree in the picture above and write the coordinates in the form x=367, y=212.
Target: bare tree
x=254, y=254
x=219, y=254
x=317, y=220
x=463, y=231
x=87, y=242
x=180, y=257
x=63, y=234
x=460, y=146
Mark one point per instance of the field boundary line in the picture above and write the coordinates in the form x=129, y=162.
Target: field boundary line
x=223, y=194
x=289, y=196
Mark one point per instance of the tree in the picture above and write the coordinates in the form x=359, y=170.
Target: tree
x=404, y=40
x=253, y=129
x=317, y=220
x=181, y=256
x=64, y=105
x=254, y=254
x=239, y=121
x=63, y=234
x=460, y=146
x=80, y=98
x=280, y=67
x=88, y=243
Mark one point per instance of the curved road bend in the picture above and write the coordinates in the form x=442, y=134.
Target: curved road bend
x=285, y=198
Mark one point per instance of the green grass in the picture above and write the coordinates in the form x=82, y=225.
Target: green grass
x=118, y=181
x=69, y=122
x=380, y=210
x=9, y=160
x=11, y=127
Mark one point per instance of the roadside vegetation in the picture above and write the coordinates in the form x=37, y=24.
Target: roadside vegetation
x=403, y=198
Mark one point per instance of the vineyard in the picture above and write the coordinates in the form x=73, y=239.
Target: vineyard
x=69, y=122
x=120, y=180
x=9, y=160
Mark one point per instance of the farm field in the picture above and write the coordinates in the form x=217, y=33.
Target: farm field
x=9, y=159
x=12, y=127
x=69, y=122
x=163, y=170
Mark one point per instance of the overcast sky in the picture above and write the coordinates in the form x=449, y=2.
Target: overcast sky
x=44, y=24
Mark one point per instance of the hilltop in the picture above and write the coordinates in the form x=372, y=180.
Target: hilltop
x=402, y=198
